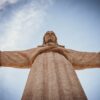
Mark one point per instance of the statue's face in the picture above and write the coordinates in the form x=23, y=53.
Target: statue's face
x=50, y=37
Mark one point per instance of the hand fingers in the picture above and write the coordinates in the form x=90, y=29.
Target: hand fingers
x=46, y=48
x=57, y=49
x=60, y=49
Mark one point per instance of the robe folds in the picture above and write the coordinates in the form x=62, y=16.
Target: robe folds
x=52, y=75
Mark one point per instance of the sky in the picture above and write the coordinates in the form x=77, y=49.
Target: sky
x=23, y=24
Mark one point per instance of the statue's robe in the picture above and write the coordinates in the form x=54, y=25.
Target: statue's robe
x=52, y=75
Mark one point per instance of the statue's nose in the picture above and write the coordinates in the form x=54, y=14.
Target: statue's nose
x=50, y=34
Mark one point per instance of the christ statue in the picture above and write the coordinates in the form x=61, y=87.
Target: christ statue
x=52, y=75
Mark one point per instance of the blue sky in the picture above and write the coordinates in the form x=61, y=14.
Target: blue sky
x=23, y=24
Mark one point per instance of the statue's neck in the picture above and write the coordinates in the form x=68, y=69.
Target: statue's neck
x=51, y=44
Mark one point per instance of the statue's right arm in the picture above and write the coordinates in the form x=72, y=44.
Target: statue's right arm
x=21, y=59
x=16, y=59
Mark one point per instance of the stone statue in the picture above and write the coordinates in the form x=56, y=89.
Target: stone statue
x=52, y=75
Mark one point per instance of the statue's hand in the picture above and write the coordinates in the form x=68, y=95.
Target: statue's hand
x=60, y=50
x=45, y=49
x=40, y=50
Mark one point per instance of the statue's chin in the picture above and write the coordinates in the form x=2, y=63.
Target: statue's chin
x=51, y=44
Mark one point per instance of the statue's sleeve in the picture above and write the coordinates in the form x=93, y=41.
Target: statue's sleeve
x=17, y=59
x=82, y=60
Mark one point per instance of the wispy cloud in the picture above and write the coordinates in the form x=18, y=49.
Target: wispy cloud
x=4, y=3
x=23, y=24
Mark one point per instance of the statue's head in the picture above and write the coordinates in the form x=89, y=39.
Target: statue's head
x=49, y=37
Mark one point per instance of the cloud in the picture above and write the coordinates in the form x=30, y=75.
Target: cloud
x=23, y=25
x=4, y=3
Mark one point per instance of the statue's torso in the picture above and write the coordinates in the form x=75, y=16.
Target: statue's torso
x=52, y=77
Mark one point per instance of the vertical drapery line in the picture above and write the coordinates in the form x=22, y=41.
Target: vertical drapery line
x=66, y=65
x=67, y=78
x=52, y=78
x=34, y=86
x=58, y=78
x=45, y=77
x=37, y=88
x=0, y=58
x=64, y=81
x=78, y=92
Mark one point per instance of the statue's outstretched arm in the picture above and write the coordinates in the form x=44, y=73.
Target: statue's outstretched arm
x=17, y=59
x=21, y=59
x=82, y=60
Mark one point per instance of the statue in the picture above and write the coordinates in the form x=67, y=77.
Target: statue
x=52, y=75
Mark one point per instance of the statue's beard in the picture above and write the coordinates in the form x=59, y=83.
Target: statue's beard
x=50, y=40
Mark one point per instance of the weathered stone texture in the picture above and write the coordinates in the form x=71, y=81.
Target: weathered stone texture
x=52, y=77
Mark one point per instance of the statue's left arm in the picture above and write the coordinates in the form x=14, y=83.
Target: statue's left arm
x=82, y=60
